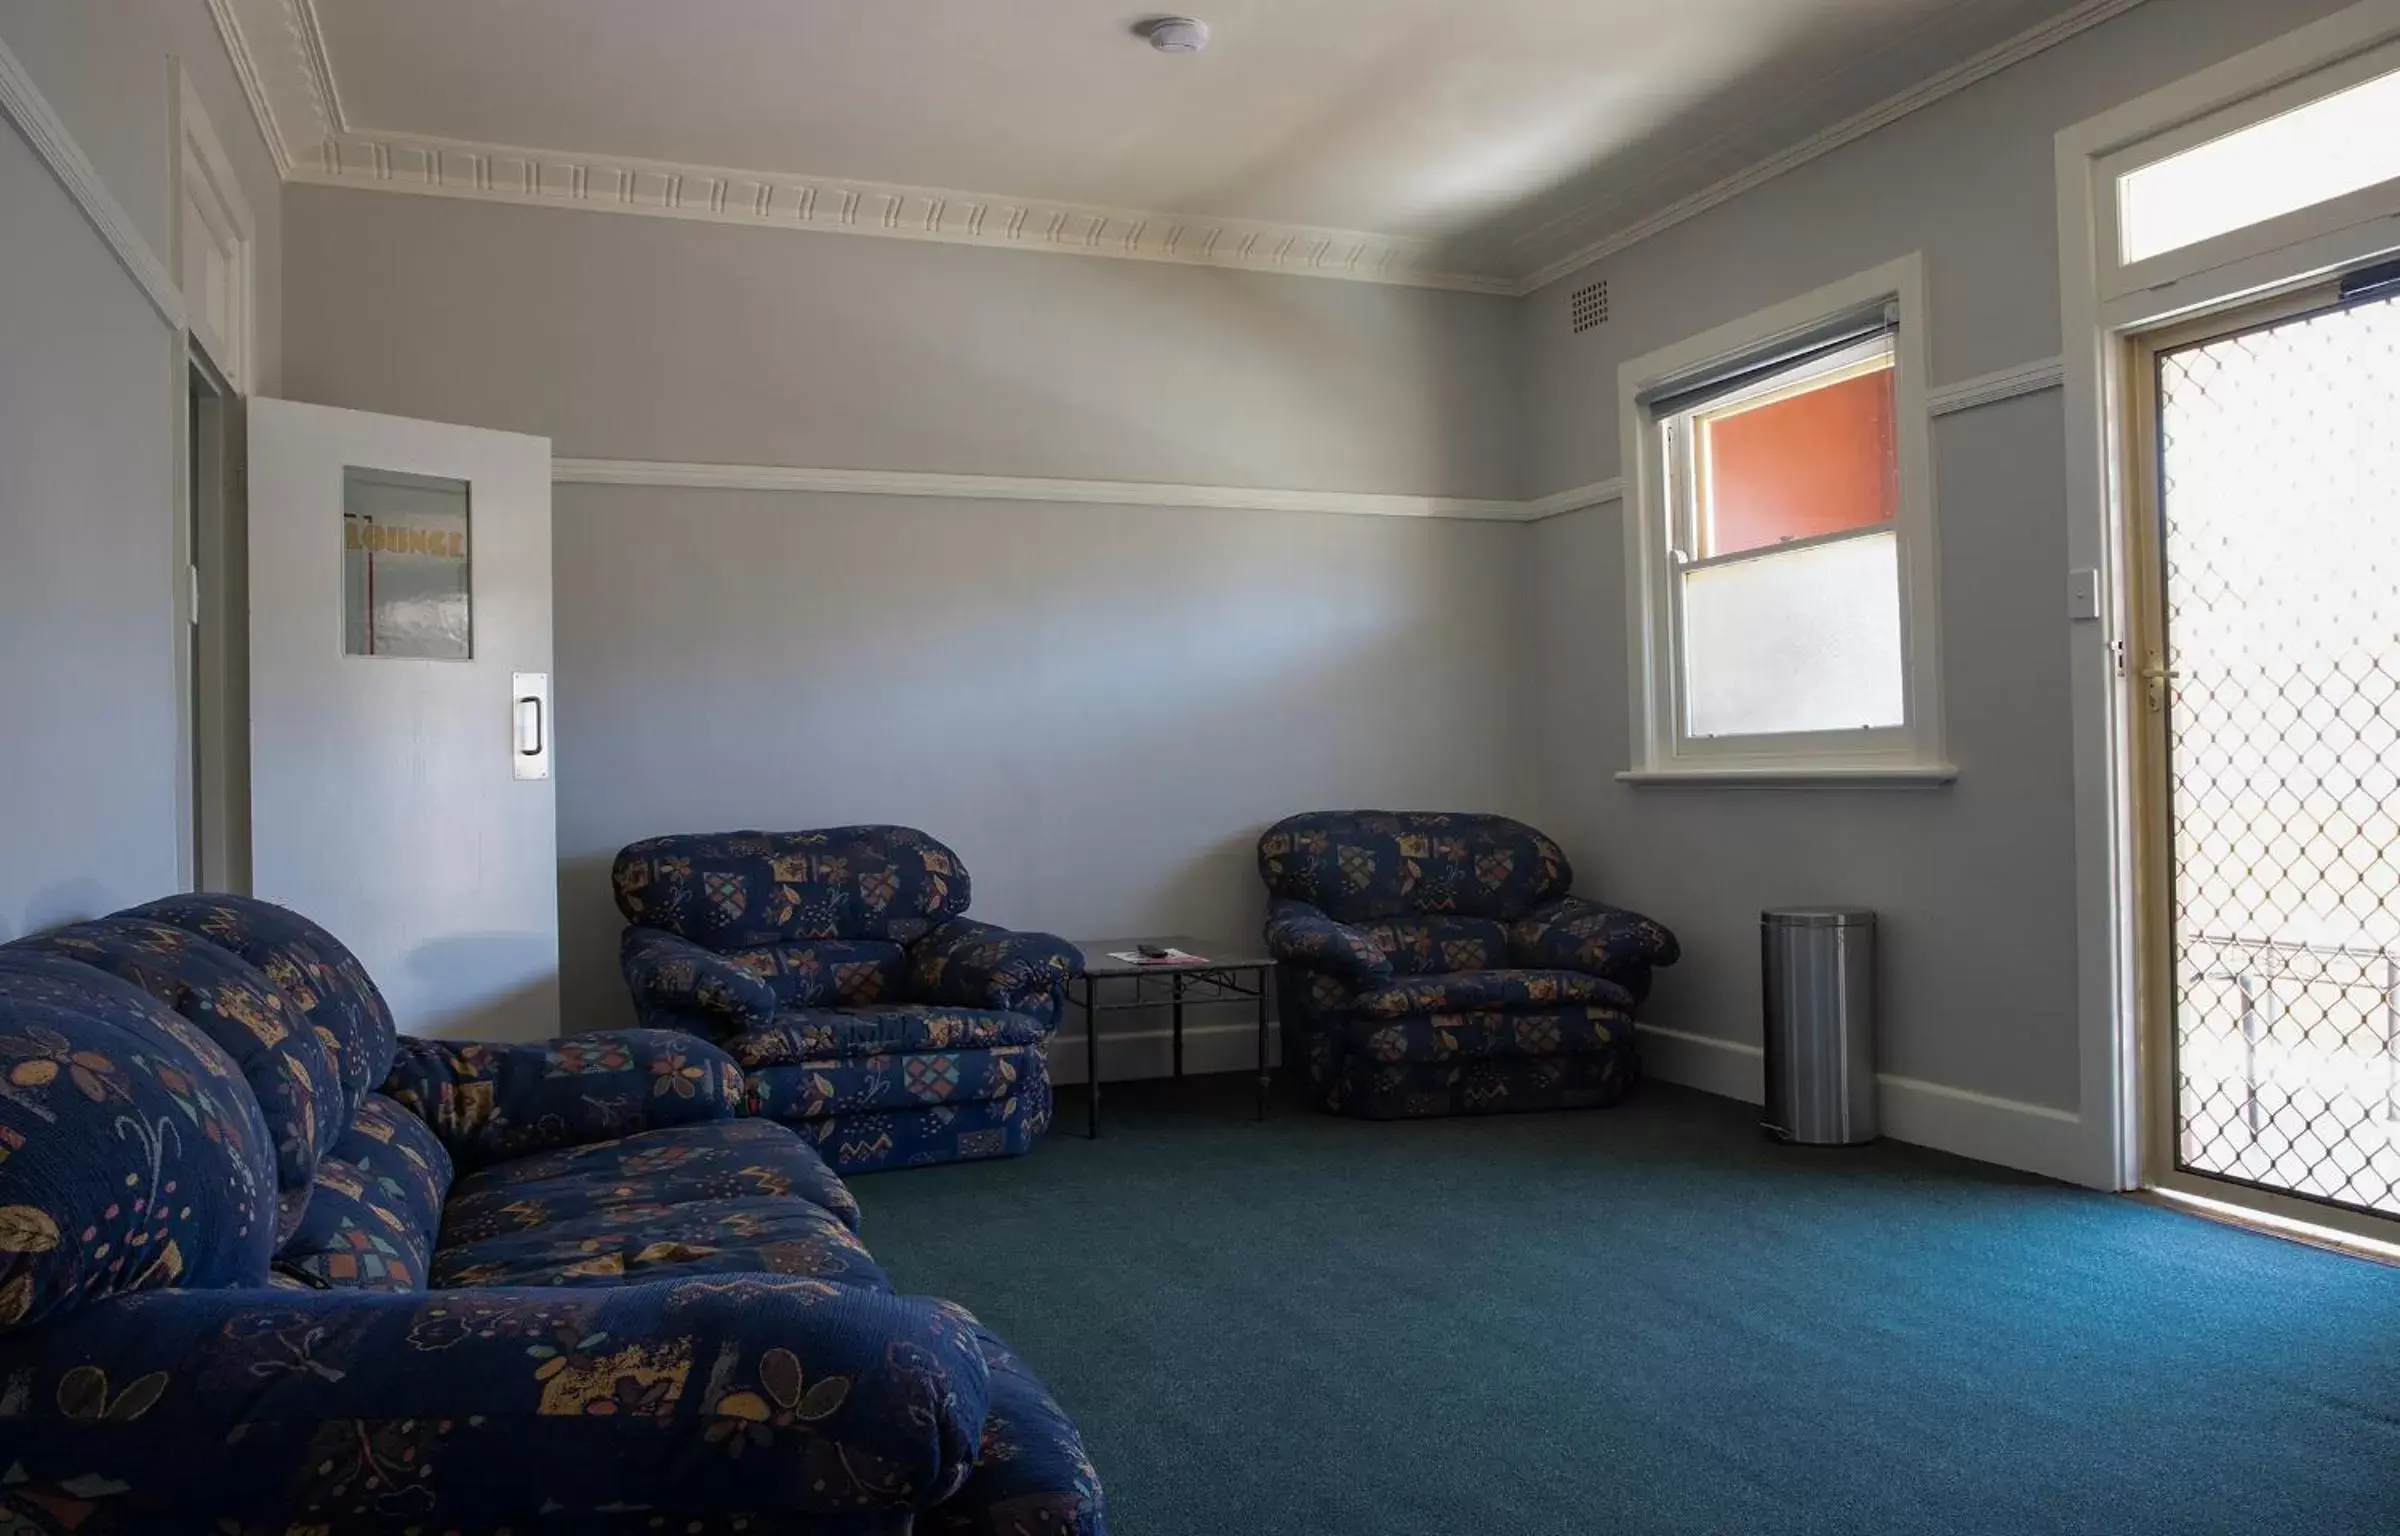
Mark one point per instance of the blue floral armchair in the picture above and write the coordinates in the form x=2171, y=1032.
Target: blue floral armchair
x=266, y=1266
x=1437, y=964
x=839, y=969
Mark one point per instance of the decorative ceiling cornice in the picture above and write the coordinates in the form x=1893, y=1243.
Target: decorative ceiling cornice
x=279, y=55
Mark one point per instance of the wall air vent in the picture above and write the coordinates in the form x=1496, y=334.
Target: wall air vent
x=1587, y=308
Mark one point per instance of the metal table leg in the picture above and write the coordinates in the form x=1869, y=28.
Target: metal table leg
x=1177, y=978
x=1091, y=1061
x=1265, y=1077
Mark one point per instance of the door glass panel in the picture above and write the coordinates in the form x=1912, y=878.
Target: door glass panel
x=2280, y=534
x=405, y=562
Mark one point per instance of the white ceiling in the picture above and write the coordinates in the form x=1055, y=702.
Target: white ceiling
x=1503, y=133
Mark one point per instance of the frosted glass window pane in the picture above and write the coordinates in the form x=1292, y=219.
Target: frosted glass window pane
x=1795, y=640
x=405, y=561
x=2333, y=146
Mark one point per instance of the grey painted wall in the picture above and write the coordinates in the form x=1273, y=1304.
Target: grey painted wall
x=1976, y=880
x=104, y=66
x=1099, y=706
x=88, y=400
x=641, y=338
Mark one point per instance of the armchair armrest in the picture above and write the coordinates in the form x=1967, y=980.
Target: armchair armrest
x=668, y=971
x=1304, y=936
x=1573, y=934
x=968, y=964
x=488, y=1101
x=771, y=1395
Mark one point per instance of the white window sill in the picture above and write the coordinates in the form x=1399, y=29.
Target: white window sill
x=1900, y=774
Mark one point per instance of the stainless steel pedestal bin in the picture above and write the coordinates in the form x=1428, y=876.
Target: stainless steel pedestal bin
x=1819, y=975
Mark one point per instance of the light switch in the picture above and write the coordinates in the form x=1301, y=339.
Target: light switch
x=2083, y=595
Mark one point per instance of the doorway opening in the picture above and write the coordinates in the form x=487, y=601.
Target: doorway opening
x=217, y=578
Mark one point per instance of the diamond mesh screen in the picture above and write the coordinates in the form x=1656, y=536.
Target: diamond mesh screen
x=2280, y=497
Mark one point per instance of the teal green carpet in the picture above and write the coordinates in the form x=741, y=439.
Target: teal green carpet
x=1648, y=1319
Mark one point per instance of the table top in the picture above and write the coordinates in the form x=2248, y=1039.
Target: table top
x=1216, y=955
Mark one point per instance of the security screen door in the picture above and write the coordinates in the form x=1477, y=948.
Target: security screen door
x=399, y=707
x=2267, y=692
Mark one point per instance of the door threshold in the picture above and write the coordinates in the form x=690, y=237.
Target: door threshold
x=2288, y=1228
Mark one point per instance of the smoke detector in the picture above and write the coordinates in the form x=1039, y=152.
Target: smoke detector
x=1176, y=34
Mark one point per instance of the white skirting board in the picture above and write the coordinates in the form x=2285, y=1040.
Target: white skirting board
x=2014, y=1134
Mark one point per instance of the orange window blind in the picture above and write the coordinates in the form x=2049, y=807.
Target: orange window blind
x=1818, y=462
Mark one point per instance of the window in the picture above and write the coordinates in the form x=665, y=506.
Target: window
x=2335, y=145
x=1776, y=535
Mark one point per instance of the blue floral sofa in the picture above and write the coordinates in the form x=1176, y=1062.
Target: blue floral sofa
x=1437, y=964
x=265, y=1268
x=839, y=969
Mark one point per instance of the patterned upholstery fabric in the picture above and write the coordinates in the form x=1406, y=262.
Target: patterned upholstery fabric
x=132, y=1153
x=1302, y=935
x=1435, y=964
x=1458, y=991
x=979, y=965
x=404, y=1163
x=916, y=1138
x=231, y=1002
x=669, y=1329
x=1581, y=935
x=637, y=1238
x=1031, y=1475
x=712, y=1160
x=1375, y=1090
x=313, y=970
x=828, y=972
x=1478, y=1036
x=354, y=1234
x=808, y=1034
x=368, y=1410
x=488, y=1102
x=813, y=1090
x=732, y=890
x=1424, y=946
x=838, y=968
x=1356, y=866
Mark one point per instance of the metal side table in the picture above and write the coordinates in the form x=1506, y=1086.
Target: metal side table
x=1224, y=971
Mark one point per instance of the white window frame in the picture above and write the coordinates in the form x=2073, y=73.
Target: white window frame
x=1662, y=753
x=2103, y=301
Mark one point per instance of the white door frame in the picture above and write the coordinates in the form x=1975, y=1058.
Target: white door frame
x=2103, y=302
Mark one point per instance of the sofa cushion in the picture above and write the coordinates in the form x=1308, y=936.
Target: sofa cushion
x=1468, y=991
x=402, y=1159
x=315, y=972
x=916, y=1138
x=1474, y=1036
x=734, y=890
x=1031, y=1471
x=636, y=1239
x=802, y=1035
x=354, y=1236
x=132, y=1152
x=1419, y=946
x=815, y=973
x=233, y=1003
x=715, y=1160
x=1361, y=865
x=847, y=1085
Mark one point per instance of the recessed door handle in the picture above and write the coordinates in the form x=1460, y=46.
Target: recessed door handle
x=529, y=723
